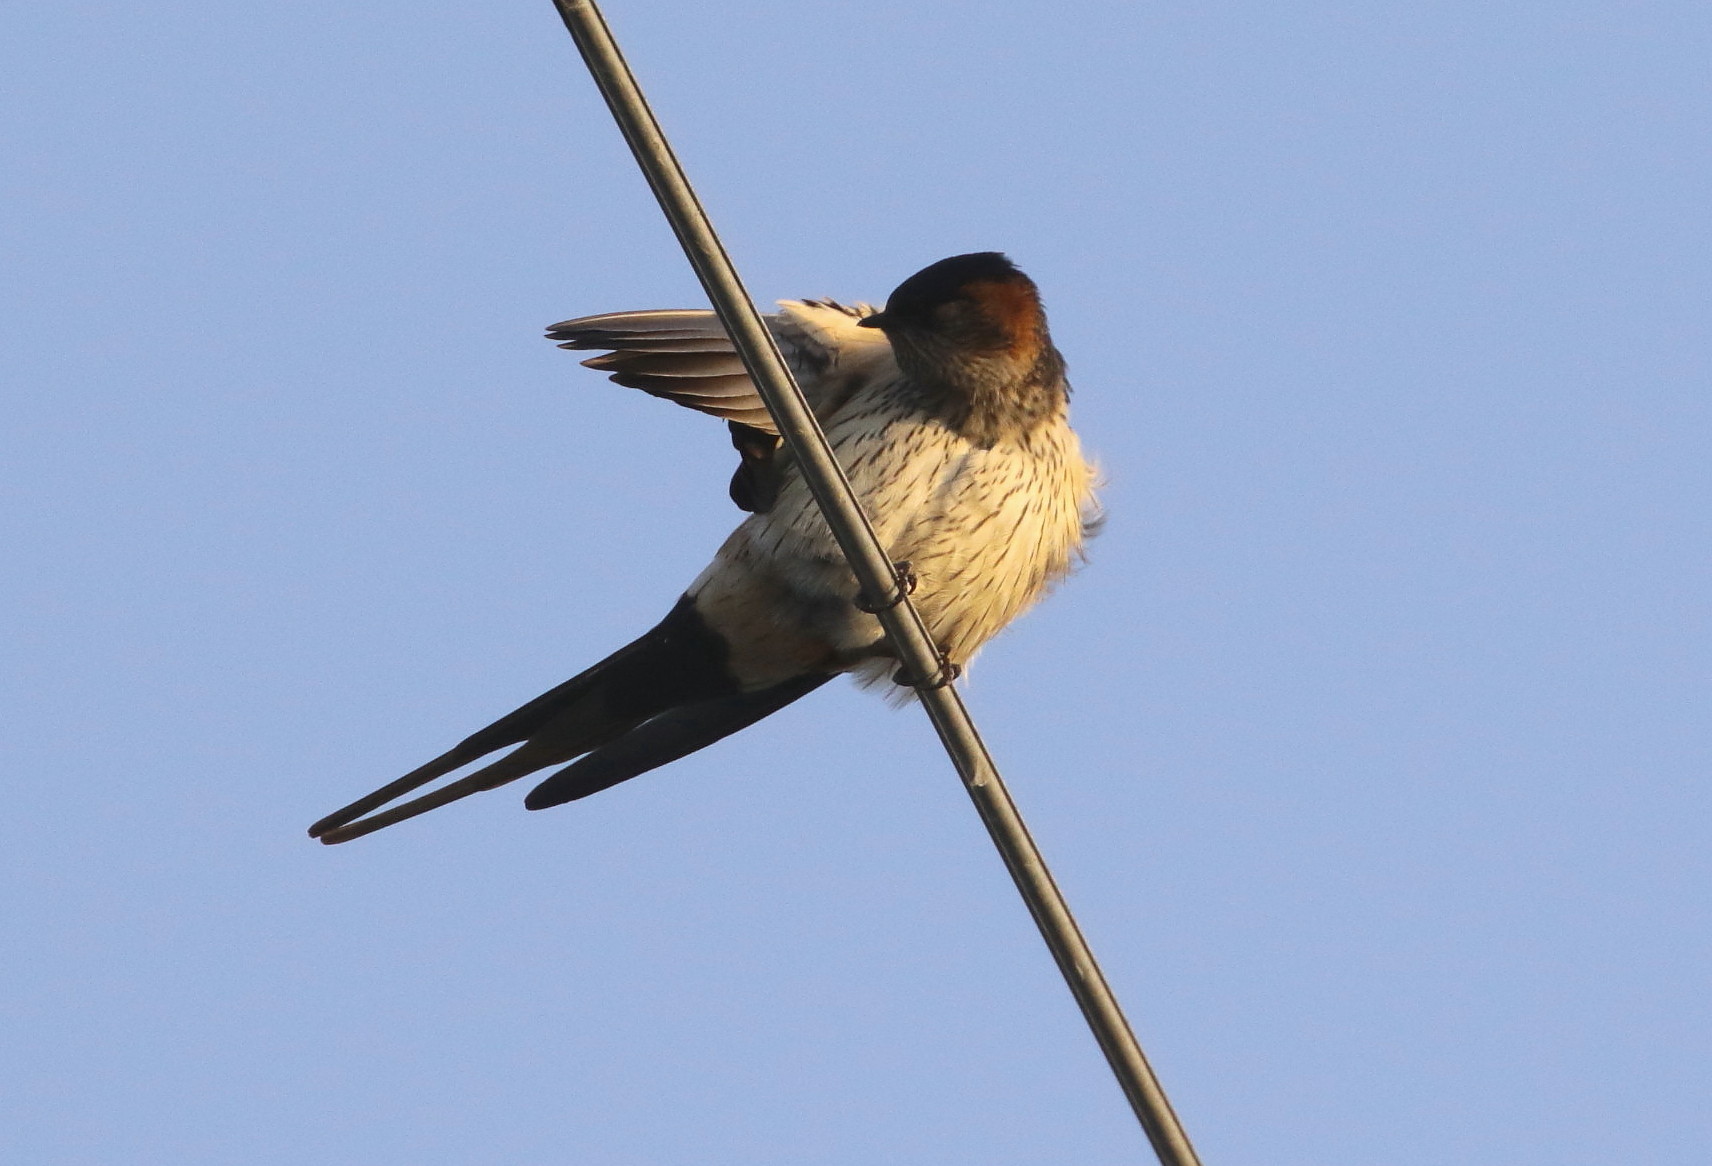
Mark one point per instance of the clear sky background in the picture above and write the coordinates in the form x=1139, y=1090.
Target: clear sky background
x=1372, y=746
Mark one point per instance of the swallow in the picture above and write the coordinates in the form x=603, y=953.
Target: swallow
x=948, y=410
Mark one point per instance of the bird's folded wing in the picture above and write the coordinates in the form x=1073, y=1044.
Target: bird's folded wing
x=685, y=355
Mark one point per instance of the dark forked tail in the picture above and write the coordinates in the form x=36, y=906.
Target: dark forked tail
x=664, y=696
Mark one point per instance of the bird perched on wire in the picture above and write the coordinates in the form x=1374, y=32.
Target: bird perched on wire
x=948, y=410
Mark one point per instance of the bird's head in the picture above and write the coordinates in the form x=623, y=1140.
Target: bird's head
x=977, y=306
x=970, y=333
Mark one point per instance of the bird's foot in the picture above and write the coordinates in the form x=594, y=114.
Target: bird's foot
x=944, y=675
x=904, y=582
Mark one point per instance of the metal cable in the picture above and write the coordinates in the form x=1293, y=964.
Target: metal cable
x=877, y=578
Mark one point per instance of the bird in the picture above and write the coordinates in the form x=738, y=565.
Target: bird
x=947, y=409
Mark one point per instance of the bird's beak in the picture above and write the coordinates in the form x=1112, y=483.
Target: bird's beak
x=877, y=320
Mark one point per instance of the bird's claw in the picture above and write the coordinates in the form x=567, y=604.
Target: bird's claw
x=946, y=673
x=904, y=581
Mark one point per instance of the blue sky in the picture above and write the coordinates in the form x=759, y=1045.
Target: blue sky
x=1371, y=746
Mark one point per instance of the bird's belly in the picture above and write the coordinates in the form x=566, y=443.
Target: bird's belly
x=985, y=531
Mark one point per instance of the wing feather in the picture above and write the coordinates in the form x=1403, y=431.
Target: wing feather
x=684, y=355
x=700, y=365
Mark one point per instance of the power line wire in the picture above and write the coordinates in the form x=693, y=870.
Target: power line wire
x=878, y=578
